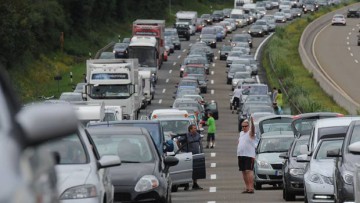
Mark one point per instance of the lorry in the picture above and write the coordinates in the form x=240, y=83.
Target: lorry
x=239, y=3
x=148, y=86
x=148, y=51
x=116, y=83
x=188, y=17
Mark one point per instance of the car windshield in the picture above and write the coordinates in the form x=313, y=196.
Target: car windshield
x=262, y=99
x=271, y=127
x=208, y=31
x=279, y=14
x=255, y=90
x=175, y=127
x=355, y=136
x=208, y=37
x=296, y=151
x=130, y=148
x=71, y=97
x=235, y=54
x=326, y=146
x=256, y=27
x=70, y=150
x=239, y=39
x=121, y=45
x=109, y=91
x=226, y=48
x=273, y=145
x=242, y=75
x=188, y=83
x=235, y=69
x=194, y=70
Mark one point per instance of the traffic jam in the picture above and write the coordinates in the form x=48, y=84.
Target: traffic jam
x=139, y=141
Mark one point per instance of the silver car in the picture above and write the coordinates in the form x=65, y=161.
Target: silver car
x=239, y=77
x=280, y=17
x=318, y=177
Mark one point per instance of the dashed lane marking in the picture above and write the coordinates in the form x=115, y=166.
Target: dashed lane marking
x=349, y=48
x=179, y=56
x=351, y=54
x=356, y=61
x=213, y=154
x=219, y=51
x=160, y=101
x=212, y=82
x=212, y=72
x=190, y=44
x=213, y=176
x=211, y=202
x=215, y=57
x=212, y=189
x=167, y=80
x=347, y=37
x=164, y=90
x=213, y=165
x=170, y=71
x=347, y=43
x=184, y=50
x=212, y=91
x=174, y=63
x=349, y=33
x=213, y=64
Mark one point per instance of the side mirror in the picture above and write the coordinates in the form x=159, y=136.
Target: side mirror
x=107, y=161
x=304, y=149
x=171, y=161
x=333, y=153
x=302, y=158
x=284, y=155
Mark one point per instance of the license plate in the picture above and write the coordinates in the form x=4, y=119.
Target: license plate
x=278, y=173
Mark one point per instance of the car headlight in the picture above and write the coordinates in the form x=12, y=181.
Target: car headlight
x=234, y=82
x=79, y=192
x=249, y=31
x=315, y=178
x=348, y=178
x=296, y=171
x=146, y=183
x=328, y=180
x=263, y=164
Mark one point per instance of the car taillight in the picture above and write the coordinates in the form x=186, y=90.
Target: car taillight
x=339, y=115
x=296, y=117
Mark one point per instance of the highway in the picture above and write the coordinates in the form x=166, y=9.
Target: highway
x=224, y=182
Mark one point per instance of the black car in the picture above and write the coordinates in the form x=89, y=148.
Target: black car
x=121, y=50
x=183, y=30
x=213, y=108
x=293, y=171
x=144, y=173
x=257, y=31
x=176, y=42
x=345, y=167
x=224, y=51
x=207, y=18
x=353, y=13
x=126, y=40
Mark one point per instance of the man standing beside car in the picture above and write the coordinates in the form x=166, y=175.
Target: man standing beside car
x=246, y=154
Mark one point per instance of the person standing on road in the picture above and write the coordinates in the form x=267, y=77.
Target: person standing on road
x=192, y=140
x=236, y=98
x=211, y=130
x=279, y=101
x=274, y=94
x=246, y=154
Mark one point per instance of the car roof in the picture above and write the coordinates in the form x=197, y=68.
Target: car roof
x=332, y=122
x=278, y=134
x=155, y=122
x=120, y=130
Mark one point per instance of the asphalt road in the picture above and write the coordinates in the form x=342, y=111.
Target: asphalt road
x=336, y=50
x=224, y=182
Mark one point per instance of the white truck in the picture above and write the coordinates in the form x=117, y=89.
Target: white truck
x=189, y=17
x=113, y=113
x=148, y=85
x=116, y=83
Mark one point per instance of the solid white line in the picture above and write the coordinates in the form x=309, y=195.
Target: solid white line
x=257, y=79
x=261, y=44
x=213, y=64
x=356, y=61
x=215, y=57
x=347, y=43
x=163, y=90
x=213, y=165
x=160, y=101
x=213, y=176
x=179, y=56
x=351, y=54
x=211, y=202
x=212, y=91
x=167, y=80
x=349, y=48
x=170, y=71
x=174, y=63
x=212, y=81
x=212, y=72
x=184, y=50
x=213, y=154
x=212, y=189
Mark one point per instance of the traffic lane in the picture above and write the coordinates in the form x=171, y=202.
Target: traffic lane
x=338, y=56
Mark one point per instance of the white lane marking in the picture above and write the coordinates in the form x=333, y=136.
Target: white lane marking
x=257, y=79
x=212, y=81
x=174, y=63
x=353, y=29
x=160, y=101
x=163, y=90
x=211, y=202
x=179, y=56
x=213, y=165
x=167, y=80
x=213, y=154
x=356, y=61
x=184, y=50
x=212, y=189
x=215, y=57
x=170, y=71
x=190, y=44
x=212, y=91
x=349, y=33
x=213, y=176
x=212, y=72
x=261, y=44
x=347, y=43
x=351, y=54
x=213, y=64
x=349, y=48
x=197, y=39
x=219, y=51
x=347, y=37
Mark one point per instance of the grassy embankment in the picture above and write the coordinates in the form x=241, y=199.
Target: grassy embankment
x=38, y=79
x=282, y=51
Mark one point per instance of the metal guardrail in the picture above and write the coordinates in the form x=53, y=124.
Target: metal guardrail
x=98, y=53
x=325, y=82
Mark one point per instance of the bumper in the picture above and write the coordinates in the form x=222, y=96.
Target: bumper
x=295, y=184
x=315, y=192
x=125, y=194
x=256, y=34
x=268, y=176
x=86, y=200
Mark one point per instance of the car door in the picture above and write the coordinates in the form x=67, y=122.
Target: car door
x=182, y=172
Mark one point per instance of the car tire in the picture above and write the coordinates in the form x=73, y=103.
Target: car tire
x=228, y=81
x=231, y=107
x=288, y=195
x=174, y=188
x=257, y=186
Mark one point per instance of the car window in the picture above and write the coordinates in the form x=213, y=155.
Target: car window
x=130, y=148
x=296, y=150
x=329, y=132
x=268, y=145
x=327, y=145
x=70, y=150
x=355, y=137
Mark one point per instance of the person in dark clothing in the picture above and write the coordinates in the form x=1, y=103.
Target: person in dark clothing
x=192, y=142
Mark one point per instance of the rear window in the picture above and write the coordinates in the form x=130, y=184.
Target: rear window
x=296, y=150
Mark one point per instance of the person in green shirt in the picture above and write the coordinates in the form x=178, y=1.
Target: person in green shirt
x=211, y=130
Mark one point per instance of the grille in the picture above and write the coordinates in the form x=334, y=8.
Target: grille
x=276, y=166
x=121, y=196
x=262, y=176
x=273, y=177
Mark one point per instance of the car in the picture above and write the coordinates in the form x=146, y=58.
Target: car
x=80, y=87
x=121, y=50
x=239, y=77
x=224, y=52
x=249, y=108
x=107, y=55
x=353, y=12
x=338, y=19
x=280, y=17
x=183, y=30
x=209, y=39
x=265, y=25
x=319, y=177
x=227, y=12
x=202, y=79
x=71, y=96
x=249, y=62
x=195, y=59
x=212, y=107
x=268, y=165
x=236, y=68
x=232, y=56
x=288, y=14
x=200, y=24
x=241, y=38
x=81, y=170
x=257, y=31
x=176, y=42
x=232, y=23
x=207, y=18
x=169, y=43
x=183, y=102
x=126, y=40
x=218, y=15
x=194, y=69
x=220, y=33
x=144, y=174
x=309, y=7
x=293, y=171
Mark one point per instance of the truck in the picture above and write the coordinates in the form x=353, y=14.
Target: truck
x=116, y=83
x=149, y=91
x=148, y=51
x=239, y=3
x=187, y=17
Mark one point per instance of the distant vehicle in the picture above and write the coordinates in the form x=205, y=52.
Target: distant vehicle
x=218, y=15
x=213, y=108
x=224, y=52
x=71, y=96
x=207, y=18
x=209, y=39
x=257, y=31
x=338, y=19
x=121, y=50
x=187, y=17
x=353, y=12
x=183, y=30
x=280, y=17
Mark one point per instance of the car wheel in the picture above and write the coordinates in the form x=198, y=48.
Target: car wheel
x=231, y=106
x=174, y=188
x=257, y=186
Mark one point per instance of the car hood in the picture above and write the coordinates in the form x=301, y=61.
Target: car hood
x=255, y=30
x=279, y=17
x=271, y=158
x=318, y=166
x=72, y=175
x=129, y=174
x=295, y=164
x=232, y=58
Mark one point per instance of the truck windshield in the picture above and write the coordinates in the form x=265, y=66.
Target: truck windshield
x=110, y=91
x=184, y=20
x=145, y=55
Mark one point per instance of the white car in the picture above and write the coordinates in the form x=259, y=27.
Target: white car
x=318, y=178
x=82, y=174
x=239, y=77
x=338, y=19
